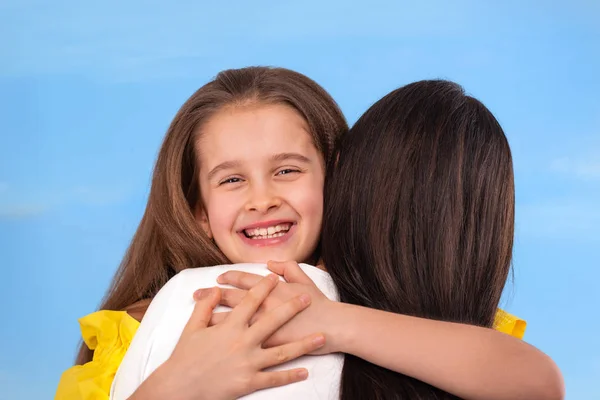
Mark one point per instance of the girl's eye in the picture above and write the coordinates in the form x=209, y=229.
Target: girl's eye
x=230, y=180
x=287, y=171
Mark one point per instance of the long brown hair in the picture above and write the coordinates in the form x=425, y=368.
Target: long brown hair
x=419, y=219
x=168, y=238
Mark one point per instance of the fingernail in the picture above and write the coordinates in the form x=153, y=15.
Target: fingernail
x=305, y=299
x=198, y=294
x=319, y=340
x=302, y=374
x=220, y=278
x=205, y=293
x=273, y=277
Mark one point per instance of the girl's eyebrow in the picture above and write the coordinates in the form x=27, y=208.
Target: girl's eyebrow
x=276, y=157
x=223, y=166
x=290, y=156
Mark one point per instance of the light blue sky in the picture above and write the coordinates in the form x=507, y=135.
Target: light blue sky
x=87, y=91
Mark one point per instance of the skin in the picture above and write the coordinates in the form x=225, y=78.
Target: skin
x=262, y=170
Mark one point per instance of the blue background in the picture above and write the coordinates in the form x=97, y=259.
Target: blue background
x=87, y=91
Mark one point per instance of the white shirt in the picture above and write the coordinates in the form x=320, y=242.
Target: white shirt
x=160, y=330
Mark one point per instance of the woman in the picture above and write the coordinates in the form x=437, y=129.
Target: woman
x=432, y=235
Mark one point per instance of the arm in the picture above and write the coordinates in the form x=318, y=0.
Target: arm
x=468, y=361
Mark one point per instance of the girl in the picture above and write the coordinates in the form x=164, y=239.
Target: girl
x=170, y=238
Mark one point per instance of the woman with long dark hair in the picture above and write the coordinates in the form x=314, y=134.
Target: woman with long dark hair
x=431, y=234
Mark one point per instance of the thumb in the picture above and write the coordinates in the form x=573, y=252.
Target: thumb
x=205, y=304
x=290, y=270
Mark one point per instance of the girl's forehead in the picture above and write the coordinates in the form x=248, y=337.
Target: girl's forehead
x=251, y=133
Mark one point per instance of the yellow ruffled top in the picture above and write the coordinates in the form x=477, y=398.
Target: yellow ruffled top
x=109, y=334
x=509, y=324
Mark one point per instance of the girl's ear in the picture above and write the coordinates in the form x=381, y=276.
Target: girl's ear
x=202, y=218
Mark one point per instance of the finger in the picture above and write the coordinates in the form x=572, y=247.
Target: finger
x=243, y=313
x=290, y=351
x=217, y=318
x=232, y=297
x=290, y=270
x=203, y=310
x=273, y=320
x=239, y=279
x=265, y=380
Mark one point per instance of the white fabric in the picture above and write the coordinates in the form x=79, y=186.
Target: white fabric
x=169, y=312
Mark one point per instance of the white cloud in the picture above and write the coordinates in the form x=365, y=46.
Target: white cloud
x=585, y=168
x=98, y=196
x=18, y=204
x=11, y=207
x=20, y=211
x=117, y=39
x=577, y=219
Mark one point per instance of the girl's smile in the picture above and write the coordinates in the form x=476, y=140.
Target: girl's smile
x=268, y=233
x=261, y=181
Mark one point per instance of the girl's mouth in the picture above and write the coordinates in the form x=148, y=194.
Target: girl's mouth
x=267, y=232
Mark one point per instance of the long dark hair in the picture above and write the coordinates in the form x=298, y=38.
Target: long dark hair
x=168, y=238
x=419, y=219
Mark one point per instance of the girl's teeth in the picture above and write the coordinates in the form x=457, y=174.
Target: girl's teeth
x=278, y=234
x=267, y=233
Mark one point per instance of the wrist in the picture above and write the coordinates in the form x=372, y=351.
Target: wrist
x=340, y=330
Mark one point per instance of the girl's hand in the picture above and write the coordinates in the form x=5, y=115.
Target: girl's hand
x=316, y=318
x=226, y=361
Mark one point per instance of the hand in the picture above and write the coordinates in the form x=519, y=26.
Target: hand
x=226, y=361
x=316, y=318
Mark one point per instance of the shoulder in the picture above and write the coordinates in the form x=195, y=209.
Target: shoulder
x=109, y=334
x=107, y=328
x=322, y=279
x=202, y=277
x=177, y=292
x=509, y=324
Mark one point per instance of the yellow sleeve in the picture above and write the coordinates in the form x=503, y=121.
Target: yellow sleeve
x=109, y=334
x=509, y=324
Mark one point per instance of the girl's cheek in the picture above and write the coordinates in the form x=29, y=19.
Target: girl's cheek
x=312, y=203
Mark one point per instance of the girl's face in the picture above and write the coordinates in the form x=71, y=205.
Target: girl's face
x=261, y=182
